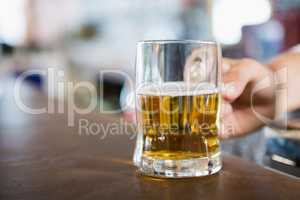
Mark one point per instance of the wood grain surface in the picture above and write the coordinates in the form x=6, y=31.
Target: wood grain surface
x=42, y=158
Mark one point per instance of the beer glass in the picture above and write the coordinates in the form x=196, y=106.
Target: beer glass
x=177, y=108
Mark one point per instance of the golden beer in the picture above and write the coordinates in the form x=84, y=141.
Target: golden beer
x=179, y=121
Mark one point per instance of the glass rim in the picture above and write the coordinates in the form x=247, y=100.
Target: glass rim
x=177, y=42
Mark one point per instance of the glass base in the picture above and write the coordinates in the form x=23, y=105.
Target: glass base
x=180, y=168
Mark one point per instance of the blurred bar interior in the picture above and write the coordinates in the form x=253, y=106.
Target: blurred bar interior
x=84, y=37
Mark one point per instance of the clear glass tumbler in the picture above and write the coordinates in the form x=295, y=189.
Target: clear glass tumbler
x=177, y=106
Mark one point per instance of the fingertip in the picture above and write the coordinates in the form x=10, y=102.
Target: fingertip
x=229, y=91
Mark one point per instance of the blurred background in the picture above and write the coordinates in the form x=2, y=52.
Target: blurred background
x=83, y=37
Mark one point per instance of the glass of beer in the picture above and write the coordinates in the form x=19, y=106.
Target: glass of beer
x=177, y=108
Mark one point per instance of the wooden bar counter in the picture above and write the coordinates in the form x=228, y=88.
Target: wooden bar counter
x=42, y=158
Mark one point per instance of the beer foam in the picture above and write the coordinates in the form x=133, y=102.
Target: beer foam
x=177, y=89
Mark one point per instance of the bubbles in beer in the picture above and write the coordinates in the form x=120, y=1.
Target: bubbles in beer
x=179, y=120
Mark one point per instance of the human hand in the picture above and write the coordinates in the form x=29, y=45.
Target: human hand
x=248, y=97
